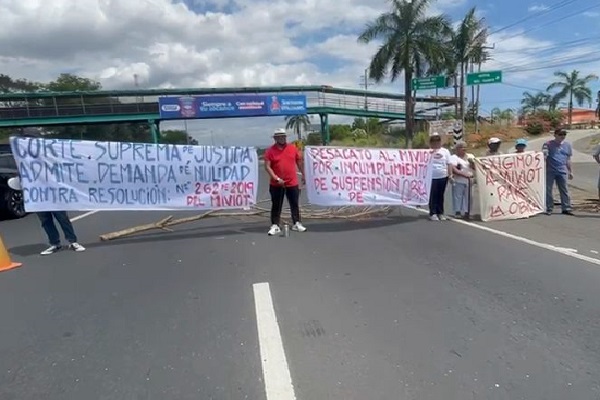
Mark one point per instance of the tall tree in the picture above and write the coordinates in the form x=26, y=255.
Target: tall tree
x=413, y=42
x=572, y=87
x=532, y=103
x=298, y=123
x=72, y=83
x=468, y=44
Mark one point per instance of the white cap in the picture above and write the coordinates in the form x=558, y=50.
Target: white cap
x=435, y=134
x=279, y=132
x=494, y=140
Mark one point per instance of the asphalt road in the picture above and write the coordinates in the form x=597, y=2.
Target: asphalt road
x=396, y=308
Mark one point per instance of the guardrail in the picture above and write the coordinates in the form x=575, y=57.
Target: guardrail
x=94, y=106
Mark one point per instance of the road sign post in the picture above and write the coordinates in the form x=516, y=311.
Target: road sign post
x=431, y=82
x=482, y=78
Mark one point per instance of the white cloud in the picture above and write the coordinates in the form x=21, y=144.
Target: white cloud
x=591, y=14
x=538, y=7
x=164, y=43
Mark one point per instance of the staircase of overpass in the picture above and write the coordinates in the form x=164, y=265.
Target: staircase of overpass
x=123, y=106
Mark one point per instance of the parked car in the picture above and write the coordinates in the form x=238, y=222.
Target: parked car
x=11, y=201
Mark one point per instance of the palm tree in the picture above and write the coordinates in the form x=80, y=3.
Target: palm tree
x=531, y=103
x=412, y=43
x=298, y=123
x=571, y=86
x=468, y=45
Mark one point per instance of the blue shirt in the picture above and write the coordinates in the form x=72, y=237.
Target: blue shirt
x=557, y=155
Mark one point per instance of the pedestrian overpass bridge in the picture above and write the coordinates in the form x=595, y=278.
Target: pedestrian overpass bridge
x=125, y=106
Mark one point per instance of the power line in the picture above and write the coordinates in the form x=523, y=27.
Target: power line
x=555, y=46
x=552, y=22
x=553, y=7
x=523, y=87
x=558, y=63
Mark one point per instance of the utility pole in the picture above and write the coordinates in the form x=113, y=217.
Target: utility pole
x=365, y=83
x=476, y=101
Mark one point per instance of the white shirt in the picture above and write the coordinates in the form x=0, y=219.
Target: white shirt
x=441, y=159
x=464, y=167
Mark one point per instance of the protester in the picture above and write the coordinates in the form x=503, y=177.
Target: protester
x=281, y=160
x=462, y=172
x=520, y=145
x=494, y=147
x=442, y=172
x=558, y=155
x=597, y=158
x=47, y=220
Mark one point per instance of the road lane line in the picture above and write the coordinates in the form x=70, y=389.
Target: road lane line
x=82, y=216
x=276, y=373
x=546, y=246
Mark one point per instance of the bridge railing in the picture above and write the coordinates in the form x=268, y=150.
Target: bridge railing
x=49, y=107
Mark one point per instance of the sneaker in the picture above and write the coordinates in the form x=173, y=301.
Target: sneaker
x=274, y=230
x=548, y=213
x=568, y=212
x=433, y=218
x=76, y=247
x=442, y=217
x=51, y=250
x=298, y=227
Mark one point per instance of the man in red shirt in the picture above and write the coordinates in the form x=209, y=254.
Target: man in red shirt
x=281, y=161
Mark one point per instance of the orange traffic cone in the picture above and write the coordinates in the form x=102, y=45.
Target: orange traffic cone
x=5, y=262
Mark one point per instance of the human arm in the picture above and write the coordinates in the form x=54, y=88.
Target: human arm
x=569, y=165
x=300, y=164
x=450, y=165
x=270, y=171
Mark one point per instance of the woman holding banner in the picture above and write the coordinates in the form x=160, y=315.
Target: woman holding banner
x=463, y=172
x=442, y=172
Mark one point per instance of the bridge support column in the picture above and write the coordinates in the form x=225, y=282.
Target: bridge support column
x=154, y=130
x=325, y=139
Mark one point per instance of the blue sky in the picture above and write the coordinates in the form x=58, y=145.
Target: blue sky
x=226, y=43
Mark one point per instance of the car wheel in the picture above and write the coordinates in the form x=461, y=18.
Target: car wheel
x=14, y=203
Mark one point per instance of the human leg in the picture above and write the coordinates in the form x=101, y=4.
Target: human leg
x=49, y=227
x=563, y=189
x=293, y=197
x=277, y=193
x=441, y=197
x=66, y=225
x=433, y=194
x=459, y=191
x=549, y=186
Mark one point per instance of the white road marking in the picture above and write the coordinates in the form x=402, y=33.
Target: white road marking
x=276, y=373
x=82, y=216
x=546, y=246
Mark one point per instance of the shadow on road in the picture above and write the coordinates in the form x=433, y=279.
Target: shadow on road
x=343, y=225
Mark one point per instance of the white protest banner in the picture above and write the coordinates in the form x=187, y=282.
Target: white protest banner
x=338, y=176
x=75, y=175
x=511, y=186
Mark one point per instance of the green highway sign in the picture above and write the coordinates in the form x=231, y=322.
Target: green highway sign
x=481, y=78
x=432, y=82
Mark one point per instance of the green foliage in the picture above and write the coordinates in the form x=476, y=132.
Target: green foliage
x=543, y=121
x=536, y=126
x=176, y=137
x=314, y=139
x=421, y=140
x=72, y=83
x=10, y=85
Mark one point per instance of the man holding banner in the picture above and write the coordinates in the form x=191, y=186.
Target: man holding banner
x=281, y=160
x=558, y=153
